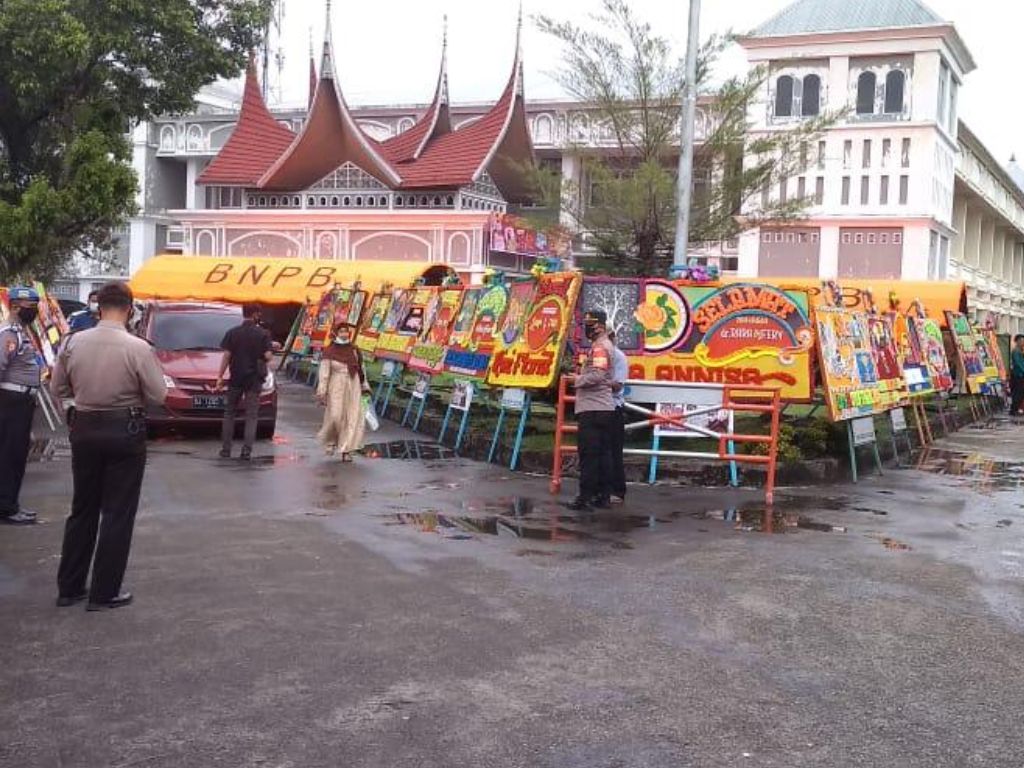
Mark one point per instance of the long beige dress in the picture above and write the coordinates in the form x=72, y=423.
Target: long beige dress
x=344, y=424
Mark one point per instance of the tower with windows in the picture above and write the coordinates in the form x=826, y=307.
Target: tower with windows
x=879, y=184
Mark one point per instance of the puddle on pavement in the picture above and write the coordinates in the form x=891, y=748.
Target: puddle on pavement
x=978, y=472
x=523, y=518
x=419, y=450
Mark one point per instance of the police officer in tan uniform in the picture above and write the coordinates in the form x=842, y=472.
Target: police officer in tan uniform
x=19, y=386
x=111, y=375
x=595, y=413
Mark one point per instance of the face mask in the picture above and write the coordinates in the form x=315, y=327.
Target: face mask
x=94, y=307
x=591, y=331
x=342, y=339
x=27, y=314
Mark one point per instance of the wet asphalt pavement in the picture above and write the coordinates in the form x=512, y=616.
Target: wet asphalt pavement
x=417, y=609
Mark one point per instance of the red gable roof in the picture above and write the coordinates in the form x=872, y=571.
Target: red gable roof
x=436, y=122
x=257, y=141
x=329, y=138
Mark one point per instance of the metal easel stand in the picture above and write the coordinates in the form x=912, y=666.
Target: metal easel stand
x=387, y=386
x=524, y=415
x=853, y=451
x=413, y=397
x=462, y=427
x=49, y=408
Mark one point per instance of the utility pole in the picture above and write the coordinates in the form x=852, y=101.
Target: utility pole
x=684, y=190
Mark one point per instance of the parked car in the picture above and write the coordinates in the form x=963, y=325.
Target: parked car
x=187, y=337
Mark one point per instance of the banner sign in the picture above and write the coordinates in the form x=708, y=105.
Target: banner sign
x=864, y=431
x=929, y=336
x=510, y=234
x=970, y=365
x=472, y=341
x=717, y=421
x=462, y=395
x=858, y=363
x=742, y=333
x=373, y=323
x=427, y=353
x=535, y=331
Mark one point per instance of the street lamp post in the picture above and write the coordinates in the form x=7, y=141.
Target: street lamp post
x=684, y=191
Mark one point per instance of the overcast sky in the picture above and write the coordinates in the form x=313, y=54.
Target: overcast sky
x=388, y=50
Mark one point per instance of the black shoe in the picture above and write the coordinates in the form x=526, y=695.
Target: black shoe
x=225, y=453
x=602, y=503
x=578, y=504
x=246, y=454
x=125, y=598
x=21, y=517
x=64, y=602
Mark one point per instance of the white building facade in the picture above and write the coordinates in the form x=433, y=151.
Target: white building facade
x=898, y=187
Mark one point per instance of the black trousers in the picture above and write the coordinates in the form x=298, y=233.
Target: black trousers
x=108, y=459
x=595, y=448
x=16, y=411
x=251, y=397
x=618, y=473
x=1016, y=394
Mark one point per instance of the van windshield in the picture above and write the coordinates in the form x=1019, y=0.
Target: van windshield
x=178, y=331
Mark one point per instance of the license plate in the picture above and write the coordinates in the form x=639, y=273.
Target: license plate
x=208, y=401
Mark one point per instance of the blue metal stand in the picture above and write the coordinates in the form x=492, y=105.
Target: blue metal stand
x=524, y=416
x=419, y=411
x=388, y=386
x=462, y=426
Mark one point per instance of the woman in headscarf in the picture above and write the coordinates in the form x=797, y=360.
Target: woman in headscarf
x=341, y=386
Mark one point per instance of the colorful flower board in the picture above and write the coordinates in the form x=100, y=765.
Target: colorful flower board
x=427, y=354
x=46, y=331
x=999, y=363
x=534, y=333
x=404, y=323
x=916, y=372
x=929, y=335
x=338, y=306
x=373, y=323
x=970, y=363
x=742, y=333
x=859, y=363
x=472, y=340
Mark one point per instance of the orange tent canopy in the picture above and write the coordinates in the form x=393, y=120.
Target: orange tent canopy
x=936, y=296
x=242, y=279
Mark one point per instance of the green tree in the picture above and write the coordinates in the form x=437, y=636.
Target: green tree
x=75, y=75
x=634, y=83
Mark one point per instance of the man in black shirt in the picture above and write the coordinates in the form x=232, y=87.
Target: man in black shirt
x=247, y=351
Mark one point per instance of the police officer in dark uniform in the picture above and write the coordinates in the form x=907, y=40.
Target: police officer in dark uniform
x=19, y=386
x=111, y=375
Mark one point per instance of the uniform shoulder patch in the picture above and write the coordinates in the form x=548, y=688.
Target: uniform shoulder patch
x=600, y=358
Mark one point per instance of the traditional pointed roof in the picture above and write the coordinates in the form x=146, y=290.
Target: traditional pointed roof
x=313, y=79
x=329, y=138
x=256, y=142
x=806, y=17
x=499, y=142
x=434, y=123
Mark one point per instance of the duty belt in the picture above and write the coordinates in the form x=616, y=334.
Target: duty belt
x=20, y=388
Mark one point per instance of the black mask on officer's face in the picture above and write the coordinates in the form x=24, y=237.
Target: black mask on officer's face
x=591, y=330
x=28, y=314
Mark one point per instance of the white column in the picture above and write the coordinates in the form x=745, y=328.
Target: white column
x=828, y=261
x=957, y=248
x=191, y=173
x=142, y=243
x=916, y=248
x=749, y=253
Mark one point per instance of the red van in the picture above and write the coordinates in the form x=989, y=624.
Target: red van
x=186, y=337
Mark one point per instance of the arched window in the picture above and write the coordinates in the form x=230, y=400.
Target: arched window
x=895, y=83
x=812, y=96
x=784, y=96
x=866, y=93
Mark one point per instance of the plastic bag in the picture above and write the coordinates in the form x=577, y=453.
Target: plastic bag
x=370, y=414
